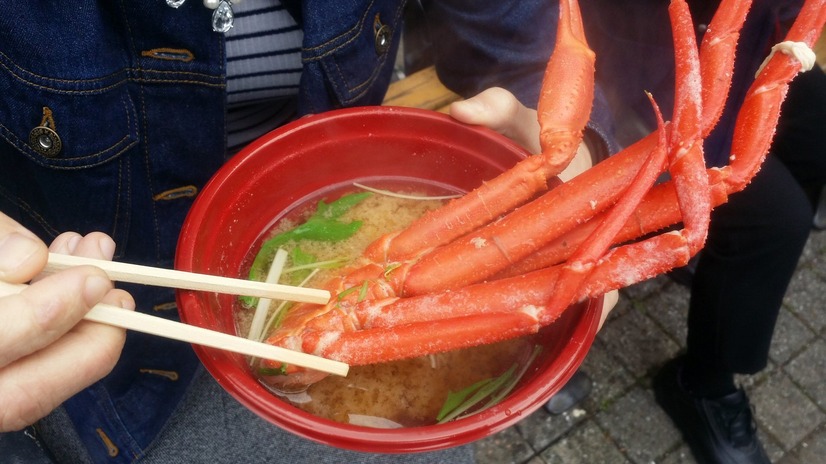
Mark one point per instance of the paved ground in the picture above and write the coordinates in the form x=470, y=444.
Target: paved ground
x=621, y=423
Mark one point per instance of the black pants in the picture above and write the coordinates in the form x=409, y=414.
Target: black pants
x=756, y=239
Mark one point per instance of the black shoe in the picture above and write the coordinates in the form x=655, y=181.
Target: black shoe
x=719, y=430
x=576, y=390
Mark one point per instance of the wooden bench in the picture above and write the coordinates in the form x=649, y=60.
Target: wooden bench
x=421, y=89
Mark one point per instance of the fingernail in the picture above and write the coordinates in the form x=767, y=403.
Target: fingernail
x=127, y=303
x=107, y=247
x=72, y=243
x=95, y=288
x=16, y=249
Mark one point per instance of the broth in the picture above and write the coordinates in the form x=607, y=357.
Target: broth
x=401, y=393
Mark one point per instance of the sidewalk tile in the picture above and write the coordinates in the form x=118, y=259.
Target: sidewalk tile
x=783, y=411
x=588, y=444
x=638, y=425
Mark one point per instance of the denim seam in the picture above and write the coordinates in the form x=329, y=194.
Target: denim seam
x=7, y=64
x=207, y=78
x=31, y=213
x=127, y=192
x=353, y=32
x=147, y=162
x=27, y=150
x=141, y=73
x=122, y=76
x=37, y=158
x=65, y=91
x=120, y=190
x=122, y=82
x=121, y=434
x=222, y=51
x=176, y=81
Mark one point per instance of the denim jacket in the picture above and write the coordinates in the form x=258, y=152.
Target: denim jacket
x=112, y=119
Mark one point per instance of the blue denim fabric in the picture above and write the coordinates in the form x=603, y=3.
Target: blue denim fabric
x=133, y=124
x=135, y=92
x=342, y=66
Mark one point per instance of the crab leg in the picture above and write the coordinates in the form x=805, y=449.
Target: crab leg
x=717, y=58
x=528, y=229
x=592, y=250
x=753, y=133
x=658, y=210
x=390, y=328
x=760, y=110
x=687, y=168
x=474, y=315
x=563, y=110
x=488, y=250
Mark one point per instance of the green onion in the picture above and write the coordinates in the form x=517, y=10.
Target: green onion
x=329, y=264
x=494, y=389
x=459, y=402
x=363, y=290
x=346, y=292
x=322, y=225
x=301, y=265
x=281, y=311
x=390, y=268
x=262, y=306
x=390, y=193
x=271, y=371
x=500, y=395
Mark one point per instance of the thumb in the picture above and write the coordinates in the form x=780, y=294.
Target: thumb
x=22, y=254
x=499, y=110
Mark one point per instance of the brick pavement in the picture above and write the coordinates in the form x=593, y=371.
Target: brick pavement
x=621, y=423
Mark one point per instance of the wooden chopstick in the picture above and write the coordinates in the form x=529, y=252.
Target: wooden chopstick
x=133, y=320
x=137, y=274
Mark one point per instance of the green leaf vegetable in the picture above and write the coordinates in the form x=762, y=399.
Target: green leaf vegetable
x=322, y=225
x=493, y=389
x=303, y=261
x=272, y=371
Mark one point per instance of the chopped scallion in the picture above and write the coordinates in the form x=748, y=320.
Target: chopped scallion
x=493, y=389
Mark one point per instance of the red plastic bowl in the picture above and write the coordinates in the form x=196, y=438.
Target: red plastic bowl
x=302, y=160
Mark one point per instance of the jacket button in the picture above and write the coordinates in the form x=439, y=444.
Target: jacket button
x=382, y=34
x=45, y=141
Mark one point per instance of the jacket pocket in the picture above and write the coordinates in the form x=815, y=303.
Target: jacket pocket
x=91, y=120
x=355, y=64
x=63, y=146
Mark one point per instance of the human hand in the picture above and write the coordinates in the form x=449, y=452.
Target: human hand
x=499, y=110
x=47, y=352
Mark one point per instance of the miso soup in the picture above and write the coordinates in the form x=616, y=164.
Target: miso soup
x=403, y=393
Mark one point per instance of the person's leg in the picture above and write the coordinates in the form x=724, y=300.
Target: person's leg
x=754, y=243
x=753, y=246
x=800, y=140
x=211, y=426
x=752, y=250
